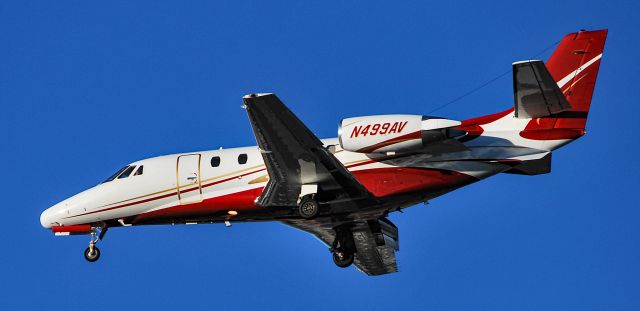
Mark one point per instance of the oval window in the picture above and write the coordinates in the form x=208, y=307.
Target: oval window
x=242, y=158
x=215, y=161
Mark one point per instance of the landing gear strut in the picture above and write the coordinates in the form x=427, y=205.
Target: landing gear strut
x=92, y=253
x=343, y=247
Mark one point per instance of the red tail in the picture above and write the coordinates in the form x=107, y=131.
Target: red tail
x=574, y=65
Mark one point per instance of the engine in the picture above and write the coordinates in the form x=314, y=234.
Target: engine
x=394, y=133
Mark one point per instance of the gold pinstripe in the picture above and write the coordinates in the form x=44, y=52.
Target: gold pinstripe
x=260, y=179
x=572, y=84
x=185, y=186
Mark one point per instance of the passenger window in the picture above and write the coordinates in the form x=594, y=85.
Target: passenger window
x=127, y=172
x=215, y=161
x=139, y=171
x=116, y=174
x=242, y=158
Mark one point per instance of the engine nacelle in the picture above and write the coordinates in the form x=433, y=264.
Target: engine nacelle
x=393, y=133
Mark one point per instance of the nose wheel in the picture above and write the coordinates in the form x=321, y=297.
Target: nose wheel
x=92, y=253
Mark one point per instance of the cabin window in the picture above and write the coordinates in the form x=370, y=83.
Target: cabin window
x=242, y=158
x=116, y=174
x=215, y=161
x=127, y=172
x=139, y=171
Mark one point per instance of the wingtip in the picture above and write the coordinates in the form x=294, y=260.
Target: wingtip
x=254, y=95
x=525, y=61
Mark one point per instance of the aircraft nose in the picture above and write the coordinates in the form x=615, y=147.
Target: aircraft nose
x=45, y=218
x=49, y=217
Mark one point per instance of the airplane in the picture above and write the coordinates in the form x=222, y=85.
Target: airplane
x=342, y=189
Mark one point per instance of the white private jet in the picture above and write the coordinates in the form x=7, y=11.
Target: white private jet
x=342, y=189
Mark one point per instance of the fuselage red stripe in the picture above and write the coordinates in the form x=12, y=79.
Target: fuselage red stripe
x=399, y=139
x=166, y=195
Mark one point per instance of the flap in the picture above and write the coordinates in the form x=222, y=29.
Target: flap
x=376, y=241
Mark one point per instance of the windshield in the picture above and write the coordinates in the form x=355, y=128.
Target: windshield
x=116, y=174
x=127, y=172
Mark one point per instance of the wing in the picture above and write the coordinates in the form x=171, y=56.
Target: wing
x=295, y=157
x=376, y=241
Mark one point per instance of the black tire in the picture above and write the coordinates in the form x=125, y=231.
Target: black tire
x=92, y=257
x=308, y=208
x=343, y=259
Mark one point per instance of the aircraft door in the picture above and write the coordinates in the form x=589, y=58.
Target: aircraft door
x=188, y=179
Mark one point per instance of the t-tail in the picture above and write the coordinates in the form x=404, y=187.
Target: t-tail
x=551, y=100
x=574, y=67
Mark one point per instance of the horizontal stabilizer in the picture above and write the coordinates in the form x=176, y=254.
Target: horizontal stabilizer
x=532, y=167
x=535, y=92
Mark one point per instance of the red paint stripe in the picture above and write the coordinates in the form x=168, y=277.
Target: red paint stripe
x=485, y=119
x=165, y=195
x=231, y=178
x=125, y=205
x=553, y=134
x=383, y=182
x=362, y=163
x=72, y=229
x=241, y=201
x=399, y=139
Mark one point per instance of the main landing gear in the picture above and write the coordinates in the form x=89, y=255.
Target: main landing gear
x=92, y=253
x=308, y=207
x=343, y=259
x=343, y=248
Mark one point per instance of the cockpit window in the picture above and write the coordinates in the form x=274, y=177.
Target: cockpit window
x=139, y=170
x=116, y=174
x=127, y=172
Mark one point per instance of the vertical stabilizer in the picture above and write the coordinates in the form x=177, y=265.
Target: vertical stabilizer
x=574, y=66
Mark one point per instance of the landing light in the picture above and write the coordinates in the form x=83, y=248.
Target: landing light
x=232, y=213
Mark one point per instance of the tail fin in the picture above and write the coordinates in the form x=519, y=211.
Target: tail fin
x=574, y=66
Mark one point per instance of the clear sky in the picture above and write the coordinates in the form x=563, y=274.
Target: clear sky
x=88, y=86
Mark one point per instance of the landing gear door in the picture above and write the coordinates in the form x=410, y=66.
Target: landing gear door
x=188, y=179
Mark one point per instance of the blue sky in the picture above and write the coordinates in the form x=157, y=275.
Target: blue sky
x=88, y=86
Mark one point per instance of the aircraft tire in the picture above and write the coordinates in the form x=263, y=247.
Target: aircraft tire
x=308, y=208
x=92, y=257
x=343, y=259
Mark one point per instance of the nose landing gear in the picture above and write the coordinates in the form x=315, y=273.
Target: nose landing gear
x=92, y=253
